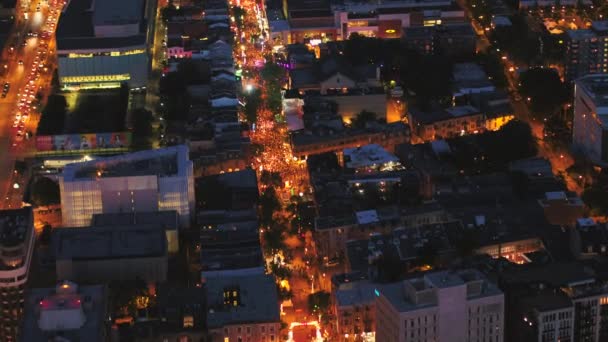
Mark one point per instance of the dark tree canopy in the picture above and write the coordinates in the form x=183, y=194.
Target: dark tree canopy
x=45, y=192
x=545, y=89
x=52, y=120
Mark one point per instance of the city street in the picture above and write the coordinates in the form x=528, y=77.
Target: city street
x=27, y=72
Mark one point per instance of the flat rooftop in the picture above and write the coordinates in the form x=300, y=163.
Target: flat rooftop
x=167, y=218
x=436, y=280
x=166, y=162
x=64, y=307
x=258, y=300
x=355, y=293
x=117, y=12
x=75, y=29
x=112, y=242
x=596, y=86
x=367, y=155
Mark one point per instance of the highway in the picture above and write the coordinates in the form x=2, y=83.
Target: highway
x=28, y=72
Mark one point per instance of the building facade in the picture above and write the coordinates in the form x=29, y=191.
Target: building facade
x=17, y=239
x=440, y=306
x=587, y=51
x=153, y=180
x=590, y=124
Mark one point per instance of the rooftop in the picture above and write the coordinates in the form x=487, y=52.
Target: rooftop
x=167, y=218
x=76, y=26
x=14, y=225
x=257, y=302
x=596, y=87
x=117, y=12
x=111, y=242
x=355, y=293
x=397, y=293
x=367, y=155
x=69, y=311
x=165, y=162
x=546, y=301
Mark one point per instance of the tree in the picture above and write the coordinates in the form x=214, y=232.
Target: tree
x=596, y=199
x=52, y=120
x=271, y=179
x=253, y=101
x=269, y=204
x=363, y=118
x=318, y=302
x=45, y=192
x=141, y=128
x=274, y=241
x=239, y=14
x=545, y=89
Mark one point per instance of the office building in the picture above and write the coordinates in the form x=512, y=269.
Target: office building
x=587, y=51
x=242, y=308
x=146, y=181
x=101, y=44
x=101, y=254
x=590, y=124
x=17, y=239
x=67, y=312
x=441, y=306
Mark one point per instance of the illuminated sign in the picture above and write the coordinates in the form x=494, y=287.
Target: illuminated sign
x=390, y=31
x=377, y=293
x=96, y=78
x=80, y=55
x=82, y=142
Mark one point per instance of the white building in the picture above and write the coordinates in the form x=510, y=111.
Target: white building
x=16, y=247
x=444, y=306
x=69, y=311
x=152, y=180
x=590, y=126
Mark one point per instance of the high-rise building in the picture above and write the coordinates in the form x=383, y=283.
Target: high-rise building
x=590, y=126
x=16, y=248
x=454, y=306
x=146, y=181
x=587, y=51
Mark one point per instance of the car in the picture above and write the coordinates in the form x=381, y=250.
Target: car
x=20, y=62
x=15, y=124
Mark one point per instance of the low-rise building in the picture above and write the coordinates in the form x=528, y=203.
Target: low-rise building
x=562, y=208
x=110, y=253
x=451, y=40
x=305, y=143
x=589, y=239
x=181, y=311
x=354, y=309
x=446, y=123
x=67, y=312
x=243, y=307
x=441, y=306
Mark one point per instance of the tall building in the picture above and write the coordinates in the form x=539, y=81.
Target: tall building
x=556, y=302
x=66, y=312
x=16, y=248
x=587, y=51
x=444, y=306
x=146, y=181
x=101, y=44
x=590, y=126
